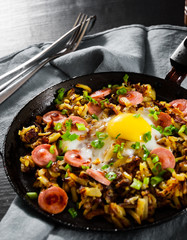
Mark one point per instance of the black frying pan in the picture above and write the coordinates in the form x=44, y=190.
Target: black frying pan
x=13, y=147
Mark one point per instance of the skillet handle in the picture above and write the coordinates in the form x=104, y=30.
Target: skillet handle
x=179, y=64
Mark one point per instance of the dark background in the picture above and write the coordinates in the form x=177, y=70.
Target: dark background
x=23, y=23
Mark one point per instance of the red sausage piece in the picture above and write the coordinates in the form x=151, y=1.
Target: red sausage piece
x=181, y=104
x=53, y=200
x=166, y=157
x=98, y=176
x=54, y=116
x=134, y=98
x=164, y=120
x=74, y=158
x=101, y=93
x=41, y=155
x=76, y=119
x=94, y=109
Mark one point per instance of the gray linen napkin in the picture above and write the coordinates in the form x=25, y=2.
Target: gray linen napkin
x=129, y=48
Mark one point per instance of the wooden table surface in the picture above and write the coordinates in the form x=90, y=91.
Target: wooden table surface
x=23, y=23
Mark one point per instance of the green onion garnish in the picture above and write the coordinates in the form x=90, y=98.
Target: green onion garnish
x=68, y=136
x=80, y=126
x=146, y=153
x=182, y=129
x=156, y=180
x=157, y=168
x=136, y=115
x=103, y=101
x=64, y=111
x=88, y=98
x=60, y=96
x=125, y=78
x=52, y=149
x=60, y=158
x=101, y=135
x=72, y=212
x=117, y=136
x=146, y=180
x=58, y=127
x=170, y=130
x=136, y=184
x=94, y=116
x=155, y=159
x=68, y=124
x=111, y=176
x=121, y=91
x=60, y=144
x=147, y=137
x=68, y=167
x=158, y=128
x=49, y=164
x=32, y=195
x=136, y=145
x=97, y=143
x=154, y=114
x=85, y=167
x=109, y=85
x=105, y=166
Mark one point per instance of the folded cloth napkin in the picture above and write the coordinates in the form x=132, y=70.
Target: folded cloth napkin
x=129, y=48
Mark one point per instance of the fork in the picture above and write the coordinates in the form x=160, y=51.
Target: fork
x=14, y=83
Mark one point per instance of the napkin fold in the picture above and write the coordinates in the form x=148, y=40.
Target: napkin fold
x=133, y=48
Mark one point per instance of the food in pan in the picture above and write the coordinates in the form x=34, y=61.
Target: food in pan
x=116, y=152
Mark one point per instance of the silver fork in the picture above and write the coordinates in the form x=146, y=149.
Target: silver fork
x=16, y=82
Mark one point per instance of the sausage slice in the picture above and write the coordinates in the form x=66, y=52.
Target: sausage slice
x=98, y=176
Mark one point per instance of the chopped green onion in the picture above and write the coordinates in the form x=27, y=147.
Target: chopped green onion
x=66, y=175
x=155, y=159
x=105, y=166
x=146, y=153
x=85, y=167
x=60, y=144
x=59, y=157
x=136, y=115
x=158, y=128
x=109, y=85
x=171, y=170
x=58, y=126
x=64, y=111
x=154, y=114
x=116, y=148
x=60, y=96
x=97, y=143
x=32, y=195
x=156, y=180
x=68, y=167
x=73, y=137
x=117, y=136
x=136, y=184
x=121, y=91
x=169, y=130
x=88, y=98
x=81, y=126
x=68, y=136
x=103, y=101
x=146, y=180
x=68, y=124
x=94, y=116
x=101, y=135
x=49, y=164
x=136, y=145
x=111, y=164
x=111, y=176
x=72, y=212
x=182, y=129
x=157, y=168
x=147, y=137
x=52, y=149
x=125, y=78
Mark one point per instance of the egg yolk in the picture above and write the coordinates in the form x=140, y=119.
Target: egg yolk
x=129, y=127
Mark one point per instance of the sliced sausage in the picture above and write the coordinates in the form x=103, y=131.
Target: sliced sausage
x=53, y=200
x=101, y=93
x=98, y=176
x=133, y=97
x=74, y=158
x=181, y=104
x=54, y=116
x=166, y=157
x=76, y=119
x=94, y=109
x=41, y=155
x=164, y=120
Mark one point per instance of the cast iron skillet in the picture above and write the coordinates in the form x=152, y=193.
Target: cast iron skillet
x=13, y=147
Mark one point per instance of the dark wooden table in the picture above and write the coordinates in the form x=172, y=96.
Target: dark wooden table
x=23, y=23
